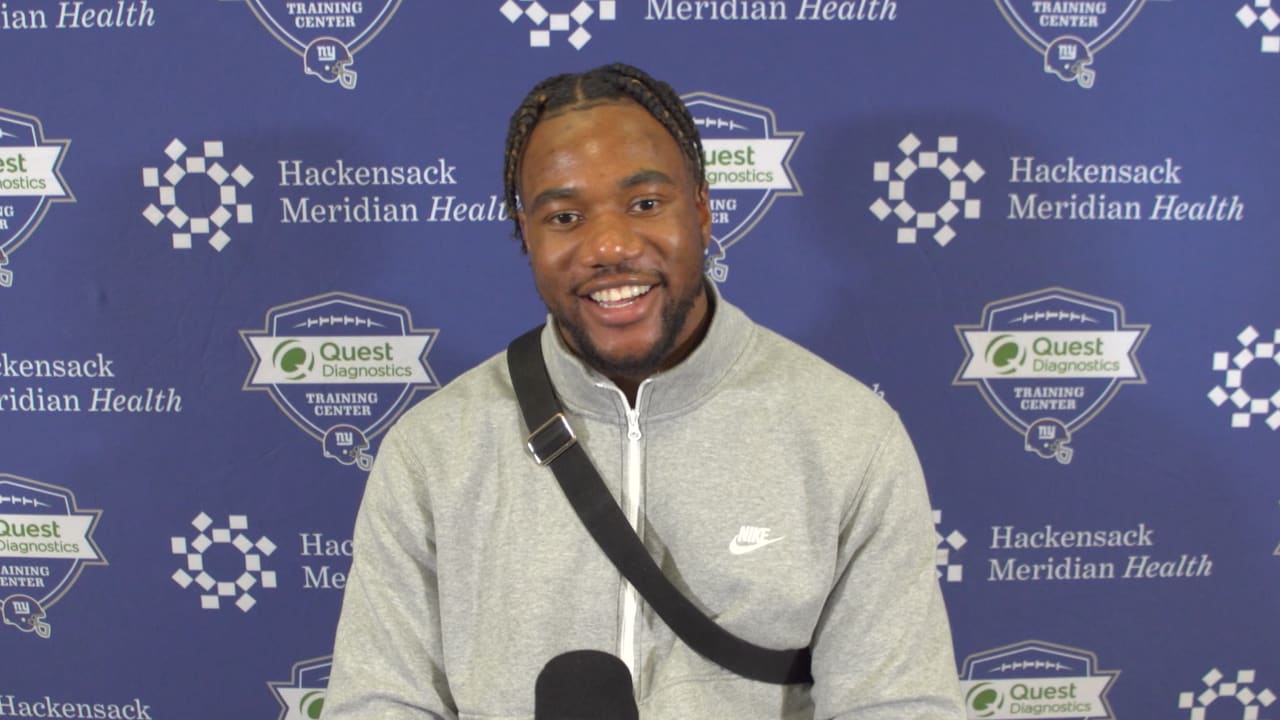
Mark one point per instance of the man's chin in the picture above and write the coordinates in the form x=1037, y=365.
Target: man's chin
x=635, y=351
x=620, y=363
x=638, y=358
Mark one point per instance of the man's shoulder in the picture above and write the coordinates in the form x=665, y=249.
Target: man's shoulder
x=455, y=435
x=483, y=389
x=799, y=372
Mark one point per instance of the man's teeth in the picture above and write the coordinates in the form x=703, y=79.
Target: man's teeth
x=619, y=294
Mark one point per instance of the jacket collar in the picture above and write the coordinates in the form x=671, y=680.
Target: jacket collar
x=583, y=390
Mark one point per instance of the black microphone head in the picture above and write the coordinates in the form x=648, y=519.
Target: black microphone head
x=584, y=685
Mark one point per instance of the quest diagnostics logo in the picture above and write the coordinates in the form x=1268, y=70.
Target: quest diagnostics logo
x=1067, y=33
x=293, y=359
x=939, y=184
x=46, y=540
x=326, y=35
x=30, y=181
x=748, y=165
x=342, y=367
x=1034, y=679
x=302, y=696
x=1048, y=362
x=570, y=22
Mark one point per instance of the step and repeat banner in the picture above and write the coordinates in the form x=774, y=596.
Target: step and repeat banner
x=238, y=238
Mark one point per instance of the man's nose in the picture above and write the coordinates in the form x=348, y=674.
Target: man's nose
x=613, y=240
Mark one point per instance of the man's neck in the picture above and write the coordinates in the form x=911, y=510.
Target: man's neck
x=630, y=384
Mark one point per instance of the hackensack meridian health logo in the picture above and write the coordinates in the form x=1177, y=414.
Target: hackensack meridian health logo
x=947, y=569
x=748, y=163
x=1235, y=692
x=1034, y=679
x=1254, y=348
x=342, y=367
x=301, y=697
x=570, y=22
x=1049, y=361
x=918, y=167
x=326, y=35
x=206, y=178
x=1068, y=34
x=1261, y=13
x=223, y=562
x=46, y=540
x=30, y=180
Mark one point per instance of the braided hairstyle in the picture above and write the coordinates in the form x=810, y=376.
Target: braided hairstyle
x=581, y=90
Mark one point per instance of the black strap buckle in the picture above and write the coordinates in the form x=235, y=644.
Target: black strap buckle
x=551, y=439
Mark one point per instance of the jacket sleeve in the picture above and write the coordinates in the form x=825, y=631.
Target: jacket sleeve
x=387, y=658
x=882, y=649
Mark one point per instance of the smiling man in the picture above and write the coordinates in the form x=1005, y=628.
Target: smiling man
x=779, y=495
x=616, y=227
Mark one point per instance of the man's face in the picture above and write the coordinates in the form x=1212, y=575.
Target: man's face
x=616, y=232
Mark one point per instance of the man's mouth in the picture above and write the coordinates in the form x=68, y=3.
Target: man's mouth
x=619, y=296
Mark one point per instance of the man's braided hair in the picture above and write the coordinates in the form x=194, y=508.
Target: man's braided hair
x=606, y=83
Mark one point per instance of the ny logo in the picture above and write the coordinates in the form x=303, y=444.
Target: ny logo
x=344, y=438
x=327, y=53
x=1047, y=432
x=1068, y=52
x=22, y=607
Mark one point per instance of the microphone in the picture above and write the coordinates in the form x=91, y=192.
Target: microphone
x=584, y=685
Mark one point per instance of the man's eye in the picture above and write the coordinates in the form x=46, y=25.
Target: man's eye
x=646, y=204
x=564, y=218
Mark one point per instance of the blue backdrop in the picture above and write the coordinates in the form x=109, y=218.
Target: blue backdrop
x=240, y=237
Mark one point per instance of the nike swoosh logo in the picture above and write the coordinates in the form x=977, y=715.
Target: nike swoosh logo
x=739, y=549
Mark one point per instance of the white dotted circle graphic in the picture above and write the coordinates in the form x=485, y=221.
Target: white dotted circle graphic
x=214, y=589
x=1231, y=389
x=1216, y=689
x=546, y=23
x=915, y=158
x=183, y=166
x=953, y=541
x=1260, y=12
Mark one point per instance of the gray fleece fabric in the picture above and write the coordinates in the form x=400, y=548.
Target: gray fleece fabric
x=782, y=496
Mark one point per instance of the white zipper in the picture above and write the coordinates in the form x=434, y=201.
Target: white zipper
x=632, y=488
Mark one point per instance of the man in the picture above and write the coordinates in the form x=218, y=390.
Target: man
x=780, y=495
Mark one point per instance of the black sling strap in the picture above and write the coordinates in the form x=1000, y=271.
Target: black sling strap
x=552, y=443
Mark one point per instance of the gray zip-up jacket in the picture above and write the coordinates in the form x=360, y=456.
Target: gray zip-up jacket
x=782, y=496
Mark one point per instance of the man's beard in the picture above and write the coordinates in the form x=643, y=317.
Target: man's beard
x=675, y=313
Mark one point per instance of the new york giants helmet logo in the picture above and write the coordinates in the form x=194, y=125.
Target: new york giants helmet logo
x=1069, y=58
x=329, y=59
x=347, y=445
x=25, y=613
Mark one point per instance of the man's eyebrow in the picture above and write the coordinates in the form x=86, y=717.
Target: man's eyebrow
x=557, y=193
x=642, y=177
x=645, y=177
